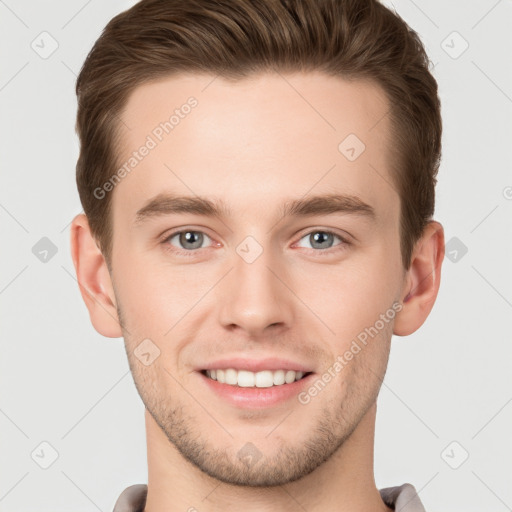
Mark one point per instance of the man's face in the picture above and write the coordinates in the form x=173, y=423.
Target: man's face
x=253, y=283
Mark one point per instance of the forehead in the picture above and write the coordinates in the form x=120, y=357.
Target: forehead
x=256, y=141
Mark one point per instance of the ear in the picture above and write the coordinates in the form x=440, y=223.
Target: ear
x=94, y=279
x=422, y=280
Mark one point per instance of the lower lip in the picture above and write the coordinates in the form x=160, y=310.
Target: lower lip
x=257, y=398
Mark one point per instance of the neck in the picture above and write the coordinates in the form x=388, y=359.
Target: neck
x=343, y=483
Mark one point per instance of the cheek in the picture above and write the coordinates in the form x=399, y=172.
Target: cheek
x=351, y=303
x=350, y=295
x=154, y=294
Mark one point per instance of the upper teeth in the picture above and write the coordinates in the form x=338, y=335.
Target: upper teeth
x=247, y=379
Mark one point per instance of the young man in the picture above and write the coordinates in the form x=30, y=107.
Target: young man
x=258, y=185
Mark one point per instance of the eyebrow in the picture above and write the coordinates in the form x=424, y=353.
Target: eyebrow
x=167, y=204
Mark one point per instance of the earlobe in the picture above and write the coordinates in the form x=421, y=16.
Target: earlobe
x=422, y=280
x=94, y=279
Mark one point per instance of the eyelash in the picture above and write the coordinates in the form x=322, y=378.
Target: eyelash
x=192, y=252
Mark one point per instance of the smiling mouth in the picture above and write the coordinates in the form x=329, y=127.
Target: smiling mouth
x=262, y=379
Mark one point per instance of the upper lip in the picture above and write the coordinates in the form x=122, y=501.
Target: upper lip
x=256, y=365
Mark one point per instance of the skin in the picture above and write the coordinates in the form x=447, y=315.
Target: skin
x=254, y=144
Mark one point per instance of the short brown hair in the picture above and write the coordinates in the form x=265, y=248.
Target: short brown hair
x=233, y=38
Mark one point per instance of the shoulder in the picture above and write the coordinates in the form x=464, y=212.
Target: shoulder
x=132, y=499
x=403, y=497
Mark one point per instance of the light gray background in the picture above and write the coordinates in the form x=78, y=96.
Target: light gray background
x=64, y=384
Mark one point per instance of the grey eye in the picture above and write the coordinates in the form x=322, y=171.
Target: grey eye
x=189, y=239
x=320, y=239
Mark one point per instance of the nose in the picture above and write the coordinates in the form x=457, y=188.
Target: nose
x=255, y=297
